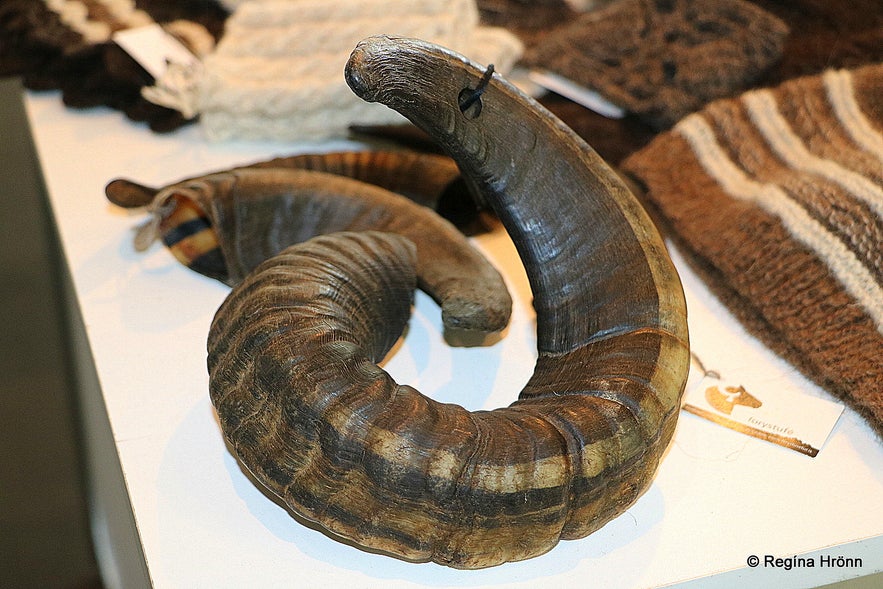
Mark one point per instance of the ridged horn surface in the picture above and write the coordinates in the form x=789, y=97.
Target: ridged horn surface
x=588, y=247
x=422, y=177
x=307, y=410
x=429, y=179
x=256, y=212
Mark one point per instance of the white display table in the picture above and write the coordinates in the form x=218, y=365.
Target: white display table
x=719, y=497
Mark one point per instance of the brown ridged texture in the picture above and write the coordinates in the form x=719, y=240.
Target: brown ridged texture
x=588, y=247
x=254, y=213
x=422, y=177
x=428, y=179
x=305, y=408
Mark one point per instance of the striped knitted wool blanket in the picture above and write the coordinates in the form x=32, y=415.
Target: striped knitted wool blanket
x=777, y=195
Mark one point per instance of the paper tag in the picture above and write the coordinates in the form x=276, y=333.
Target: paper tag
x=154, y=49
x=579, y=94
x=784, y=417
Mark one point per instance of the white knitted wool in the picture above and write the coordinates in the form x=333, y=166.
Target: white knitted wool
x=278, y=71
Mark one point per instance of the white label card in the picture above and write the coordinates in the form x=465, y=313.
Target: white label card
x=579, y=94
x=785, y=417
x=153, y=48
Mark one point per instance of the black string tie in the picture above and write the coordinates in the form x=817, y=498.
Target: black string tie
x=470, y=99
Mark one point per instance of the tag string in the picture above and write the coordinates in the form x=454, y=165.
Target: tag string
x=471, y=98
x=705, y=372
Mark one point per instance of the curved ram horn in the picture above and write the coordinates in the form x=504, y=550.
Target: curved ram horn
x=223, y=225
x=428, y=179
x=422, y=177
x=305, y=408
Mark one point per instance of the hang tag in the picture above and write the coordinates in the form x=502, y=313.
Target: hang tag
x=579, y=94
x=146, y=233
x=154, y=49
x=785, y=417
x=149, y=231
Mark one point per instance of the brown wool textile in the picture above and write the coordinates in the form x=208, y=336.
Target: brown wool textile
x=663, y=59
x=777, y=197
x=52, y=52
x=825, y=34
x=529, y=21
x=613, y=139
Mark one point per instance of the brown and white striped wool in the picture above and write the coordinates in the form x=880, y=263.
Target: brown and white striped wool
x=778, y=197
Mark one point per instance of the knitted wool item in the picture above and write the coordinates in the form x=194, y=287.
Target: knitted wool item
x=663, y=59
x=52, y=42
x=529, y=21
x=278, y=71
x=613, y=139
x=825, y=34
x=232, y=5
x=22, y=50
x=67, y=45
x=778, y=198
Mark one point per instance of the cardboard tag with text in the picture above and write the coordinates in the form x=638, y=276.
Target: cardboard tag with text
x=579, y=94
x=154, y=49
x=791, y=419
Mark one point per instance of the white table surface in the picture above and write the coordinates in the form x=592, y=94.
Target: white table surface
x=719, y=496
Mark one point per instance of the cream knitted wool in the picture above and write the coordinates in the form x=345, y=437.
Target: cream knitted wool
x=278, y=71
x=778, y=196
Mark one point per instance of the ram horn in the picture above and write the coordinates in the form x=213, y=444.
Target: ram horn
x=422, y=177
x=429, y=179
x=305, y=408
x=224, y=224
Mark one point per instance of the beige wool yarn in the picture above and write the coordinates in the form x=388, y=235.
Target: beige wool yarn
x=278, y=71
